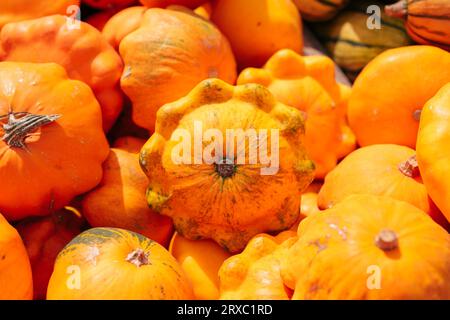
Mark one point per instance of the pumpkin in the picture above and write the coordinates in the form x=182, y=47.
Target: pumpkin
x=52, y=139
x=254, y=274
x=205, y=10
x=369, y=247
x=119, y=199
x=388, y=112
x=427, y=21
x=352, y=44
x=122, y=24
x=308, y=84
x=116, y=264
x=319, y=10
x=165, y=3
x=241, y=197
x=108, y=4
x=258, y=28
x=44, y=238
x=18, y=10
x=167, y=56
x=82, y=51
x=15, y=270
x=386, y=170
x=200, y=260
x=432, y=151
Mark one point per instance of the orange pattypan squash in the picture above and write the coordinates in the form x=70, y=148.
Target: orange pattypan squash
x=167, y=56
x=308, y=84
x=255, y=274
x=433, y=153
x=386, y=170
x=81, y=50
x=238, y=199
x=116, y=264
x=60, y=150
x=44, y=238
x=122, y=24
x=16, y=281
x=200, y=260
x=119, y=199
x=165, y=3
x=18, y=10
x=258, y=28
x=108, y=4
x=369, y=247
x=389, y=94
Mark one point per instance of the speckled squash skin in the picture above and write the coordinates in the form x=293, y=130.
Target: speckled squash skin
x=369, y=247
x=116, y=264
x=234, y=206
x=168, y=55
x=308, y=84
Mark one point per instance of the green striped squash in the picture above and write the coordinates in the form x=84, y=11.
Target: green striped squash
x=352, y=44
x=319, y=10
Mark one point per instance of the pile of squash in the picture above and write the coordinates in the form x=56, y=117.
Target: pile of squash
x=95, y=202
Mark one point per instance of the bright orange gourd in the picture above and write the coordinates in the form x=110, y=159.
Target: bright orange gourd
x=308, y=84
x=116, y=264
x=44, y=238
x=16, y=281
x=59, y=154
x=200, y=260
x=119, y=199
x=389, y=94
x=237, y=200
x=255, y=274
x=82, y=51
x=258, y=28
x=319, y=10
x=432, y=148
x=122, y=24
x=369, y=247
x=19, y=10
x=167, y=56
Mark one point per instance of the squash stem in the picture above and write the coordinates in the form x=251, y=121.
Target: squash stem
x=386, y=240
x=20, y=125
x=138, y=257
x=410, y=167
x=397, y=10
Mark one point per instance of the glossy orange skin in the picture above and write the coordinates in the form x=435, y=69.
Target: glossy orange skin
x=83, y=52
x=232, y=209
x=107, y=273
x=44, y=238
x=391, y=90
x=200, y=260
x=119, y=200
x=193, y=49
x=61, y=160
x=308, y=84
x=432, y=148
x=122, y=24
x=316, y=10
x=258, y=28
x=108, y=4
x=255, y=274
x=18, y=10
x=343, y=239
x=165, y=3
x=15, y=270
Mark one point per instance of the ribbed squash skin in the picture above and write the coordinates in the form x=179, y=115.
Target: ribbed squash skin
x=352, y=45
x=427, y=21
